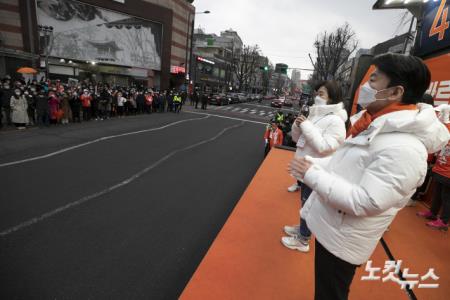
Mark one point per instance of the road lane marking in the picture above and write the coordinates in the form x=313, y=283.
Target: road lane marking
x=61, y=209
x=225, y=117
x=269, y=107
x=95, y=141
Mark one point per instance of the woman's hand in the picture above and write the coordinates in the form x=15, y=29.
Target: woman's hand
x=298, y=167
x=300, y=119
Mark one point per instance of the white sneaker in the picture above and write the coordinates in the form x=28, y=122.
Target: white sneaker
x=293, y=231
x=295, y=243
x=293, y=188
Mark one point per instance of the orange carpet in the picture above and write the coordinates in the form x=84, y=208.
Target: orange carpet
x=247, y=260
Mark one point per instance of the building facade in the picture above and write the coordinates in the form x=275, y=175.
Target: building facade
x=117, y=41
x=213, y=60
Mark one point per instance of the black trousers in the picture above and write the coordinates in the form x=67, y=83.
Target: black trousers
x=441, y=197
x=333, y=276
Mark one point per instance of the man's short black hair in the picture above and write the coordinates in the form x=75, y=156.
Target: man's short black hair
x=407, y=71
x=333, y=89
x=428, y=99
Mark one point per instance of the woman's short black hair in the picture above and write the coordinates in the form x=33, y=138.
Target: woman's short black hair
x=333, y=89
x=407, y=71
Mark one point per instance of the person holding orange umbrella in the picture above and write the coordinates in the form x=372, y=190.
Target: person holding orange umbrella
x=26, y=70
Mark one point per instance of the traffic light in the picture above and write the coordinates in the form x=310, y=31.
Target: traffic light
x=264, y=68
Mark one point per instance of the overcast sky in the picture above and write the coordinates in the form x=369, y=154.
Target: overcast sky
x=285, y=30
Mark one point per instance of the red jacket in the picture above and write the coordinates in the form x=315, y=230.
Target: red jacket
x=274, y=137
x=86, y=100
x=442, y=166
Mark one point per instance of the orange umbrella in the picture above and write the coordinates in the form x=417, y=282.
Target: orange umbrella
x=26, y=70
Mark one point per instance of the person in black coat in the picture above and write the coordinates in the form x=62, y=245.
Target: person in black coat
x=204, y=100
x=195, y=98
x=75, y=106
x=42, y=108
x=140, y=102
x=7, y=93
x=104, y=104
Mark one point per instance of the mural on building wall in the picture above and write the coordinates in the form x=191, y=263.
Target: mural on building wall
x=88, y=33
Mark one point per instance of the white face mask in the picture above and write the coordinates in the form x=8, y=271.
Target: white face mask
x=367, y=95
x=320, y=101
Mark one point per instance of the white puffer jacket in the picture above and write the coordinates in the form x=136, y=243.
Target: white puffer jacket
x=322, y=133
x=361, y=187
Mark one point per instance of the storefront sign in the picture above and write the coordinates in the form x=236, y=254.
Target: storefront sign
x=177, y=69
x=88, y=33
x=202, y=59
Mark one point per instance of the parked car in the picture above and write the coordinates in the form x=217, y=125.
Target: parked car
x=277, y=103
x=219, y=99
x=242, y=97
x=234, y=98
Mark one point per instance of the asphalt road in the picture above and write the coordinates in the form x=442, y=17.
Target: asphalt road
x=129, y=216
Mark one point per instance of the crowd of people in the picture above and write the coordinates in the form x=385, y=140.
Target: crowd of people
x=42, y=103
x=355, y=176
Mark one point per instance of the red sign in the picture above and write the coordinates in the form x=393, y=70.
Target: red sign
x=177, y=69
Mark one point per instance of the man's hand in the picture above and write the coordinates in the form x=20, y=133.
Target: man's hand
x=300, y=119
x=298, y=167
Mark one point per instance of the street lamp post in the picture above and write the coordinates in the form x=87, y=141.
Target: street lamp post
x=47, y=32
x=192, y=22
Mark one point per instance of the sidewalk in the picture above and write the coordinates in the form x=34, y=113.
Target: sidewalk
x=247, y=260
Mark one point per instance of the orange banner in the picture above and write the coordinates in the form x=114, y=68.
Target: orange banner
x=440, y=78
x=364, y=80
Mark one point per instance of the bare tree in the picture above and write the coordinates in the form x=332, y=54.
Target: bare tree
x=244, y=65
x=332, y=50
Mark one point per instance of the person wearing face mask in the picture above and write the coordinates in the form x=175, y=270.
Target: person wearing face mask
x=86, y=103
x=318, y=135
x=31, y=101
x=75, y=106
x=441, y=175
x=54, y=103
x=19, y=107
x=42, y=108
x=358, y=191
x=7, y=93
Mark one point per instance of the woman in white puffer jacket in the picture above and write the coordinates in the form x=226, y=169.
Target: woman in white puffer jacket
x=319, y=135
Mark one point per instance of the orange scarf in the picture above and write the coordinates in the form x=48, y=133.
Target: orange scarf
x=366, y=119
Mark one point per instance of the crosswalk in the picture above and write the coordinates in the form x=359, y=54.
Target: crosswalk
x=267, y=112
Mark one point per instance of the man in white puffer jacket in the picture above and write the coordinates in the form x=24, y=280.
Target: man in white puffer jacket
x=361, y=187
x=319, y=135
